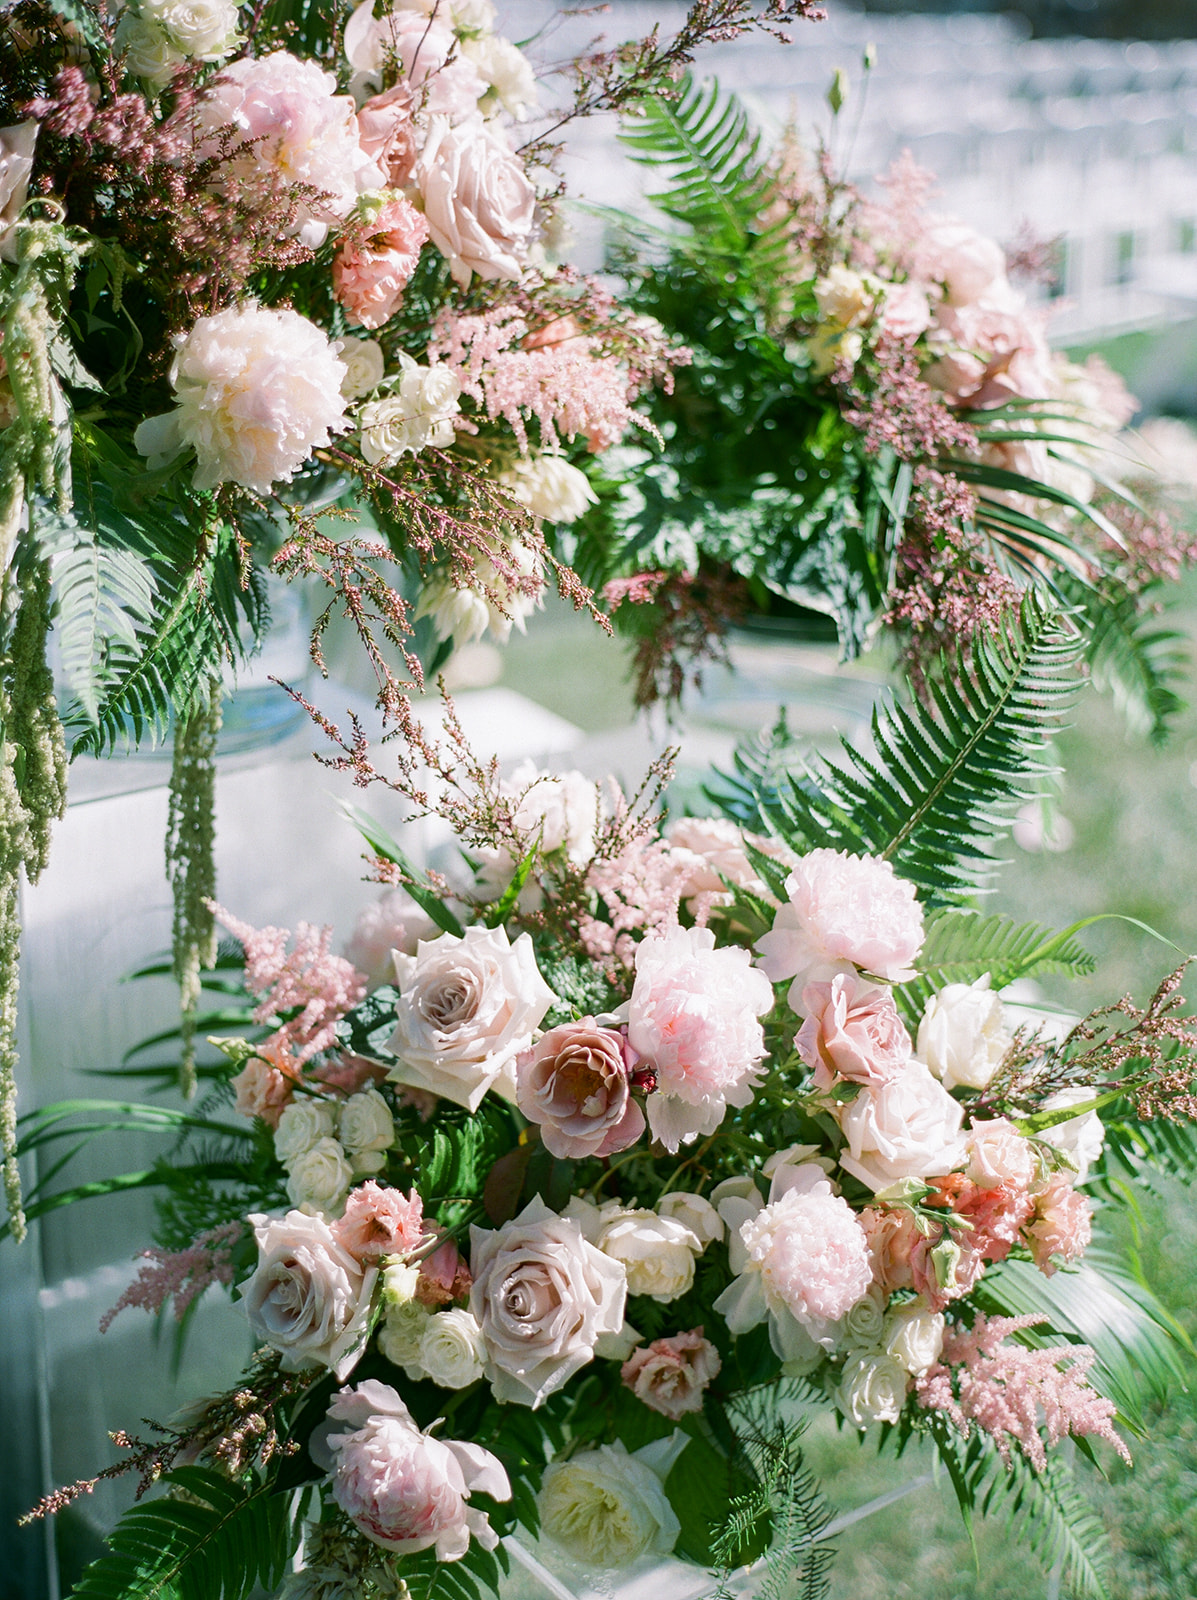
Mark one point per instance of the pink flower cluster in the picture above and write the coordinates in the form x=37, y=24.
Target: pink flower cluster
x=181, y=1275
x=376, y=260
x=379, y=1222
x=671, y=1375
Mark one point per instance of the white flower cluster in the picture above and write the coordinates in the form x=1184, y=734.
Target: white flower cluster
x=657, y=1249
x=494, y=603
x=325, y=1145
x=162, y=36
x=417, y=414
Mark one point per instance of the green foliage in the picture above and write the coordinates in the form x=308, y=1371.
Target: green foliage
x=478, y=1572
x=944, y=778
x=453, y=1157
x=381, y=842
x=962, y=946
x=217, y=1540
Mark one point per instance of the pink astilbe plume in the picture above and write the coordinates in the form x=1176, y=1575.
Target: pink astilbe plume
x=181, y=1275
x=641, y=889
x=1012, y=1392
x=309, y=980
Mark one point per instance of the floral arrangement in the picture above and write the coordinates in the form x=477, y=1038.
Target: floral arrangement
x=603, y=1156
x=873, y=431
x=280, y=292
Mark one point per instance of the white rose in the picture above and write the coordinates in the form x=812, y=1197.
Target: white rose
x=962, y=1037
x=466, y=1009
x=402, y=1334
x=418, y=416
x=845, y=297
x=320, y=1177
x=366, y=1123
x=561, y=808
x=364, y=366
x=693, y=1212
x=906, y=1129
x=472, y=16
x=543, y=1297
x=550, y=487
x=400, y=1280
x=507, y=70
x=203, y=30
x=998, y=1153
x=607, y=1508
x=477, y=199
x=303, y=1124
x=913, y=1336
x=16, y=164
x=656, y=1253
x=308, y=1298
x=1083, y=1138
x=865, y=1320
x=149, y=53
x=872, y=1388
x=451, y=1349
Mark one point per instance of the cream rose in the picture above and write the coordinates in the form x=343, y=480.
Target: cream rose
x=913, y=1336
x=999, y=1154
x=366, y=1126
x=364, y=366
x=906, y=1129
x=307, y=1298
x=543, y=1296
x=478, y=201
x=550, y=487
x=962, y=1037
x=1082, y=1138
x=417, y=416
x=302, y=1124
x=608, y=1508
x=872, y=1388
x=451, y=1351
x=401, y=1336
x=320, y=1177
x=657, y=1253
x=695, y=1213
x=467, y=1008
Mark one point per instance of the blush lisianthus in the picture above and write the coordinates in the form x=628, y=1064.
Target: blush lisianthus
x=289, y=120
x=379, y=1222
x=477, y=198
x=843, y=910
x=909, y=1128
x=852, y=1031
x=1062, y=1225
x=256, y=392
x=693, y=1019
x=376, y=260
x=405, y=1490
x=466, y=1009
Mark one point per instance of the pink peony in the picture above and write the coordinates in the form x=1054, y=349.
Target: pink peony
x=964, y=261
x=379, y=1222
x=403, y=1489
x=375, y=262
x=289, y=119
x=574, y=1084
x=387, y=134
x=693, y=1020
x=852, y=1030
x=812, y=1253
x=670, y=1375
x=906, y=312
x=843, y=910
x=1062, y=1226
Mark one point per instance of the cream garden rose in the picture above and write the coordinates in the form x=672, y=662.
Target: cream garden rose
x=452, y=1352
x=909, y=1128
x=320, y=1177
x=308, y=1297
x=550, y=487
x=302, y=1124
x=608, y=1508
x=872, y=1388
x=657, y=1253
x=366, y=1128
x=962, y=1036
x=417, y=415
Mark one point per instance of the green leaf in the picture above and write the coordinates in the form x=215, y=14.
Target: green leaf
x=511, y=895
x=381, y=842
x=962, y=946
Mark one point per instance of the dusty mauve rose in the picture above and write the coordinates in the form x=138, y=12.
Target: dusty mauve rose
x=387, y=135
x=405, y=1490
x=477, y=198
x=692, y=1018
x=542, y=1296
x=909, y=1128
x=375, y=261
x=1062, y=1225
x=670, y=1375
x=574, y=1084
x=379, y=1222
x=853, y=1031
x=843, y=910
x=308, y=1297
x=467, y=1008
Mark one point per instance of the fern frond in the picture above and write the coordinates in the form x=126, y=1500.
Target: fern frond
x=962, y=946
x=944, y=778
x=1138, y=662
x=219, y=1543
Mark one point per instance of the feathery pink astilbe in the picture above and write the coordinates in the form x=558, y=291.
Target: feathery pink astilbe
x=309, y=980
x=1013, y=1393
x=181, y=1275
x=641, y=889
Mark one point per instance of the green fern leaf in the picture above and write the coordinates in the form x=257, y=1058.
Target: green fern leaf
x=962, y=946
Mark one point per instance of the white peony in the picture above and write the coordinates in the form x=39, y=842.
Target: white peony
x=962, y=1037
x=506, y=71
x=320, y=1177
x=872, y=1388
x=466, y=1009
x=364, y=366
x=550, y=487
x=472, y=16
x=302, y=1124
x=477, y=199
x=913, y=1336
x=465, y=614
x=256, y=392
x=1083, y=1138
x=308, y=1298
x=418, y=415
x=451, y=1349
x=909, y=1128
x=608, y=1508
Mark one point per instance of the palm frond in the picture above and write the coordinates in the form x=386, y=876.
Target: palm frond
x=1138, y=662
x=216, y=1540
x=946, y=777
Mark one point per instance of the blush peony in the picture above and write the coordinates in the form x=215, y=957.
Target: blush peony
x=405, y=1490
x=692, y=1019
x=843, y=910
x=852, y=1031
x=256, y=392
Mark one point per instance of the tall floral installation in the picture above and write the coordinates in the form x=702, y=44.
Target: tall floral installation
x=872, y=429
x=279, y=293
x=604, y=1158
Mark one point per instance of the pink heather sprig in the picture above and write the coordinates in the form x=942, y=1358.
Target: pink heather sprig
x=1012, y=1392
x=309, y=980
x=181, y=1275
